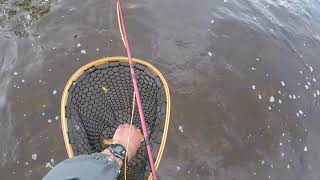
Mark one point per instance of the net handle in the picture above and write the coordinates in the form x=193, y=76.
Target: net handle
x=98, y=62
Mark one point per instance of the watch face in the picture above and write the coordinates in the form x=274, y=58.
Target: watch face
x=118, y=149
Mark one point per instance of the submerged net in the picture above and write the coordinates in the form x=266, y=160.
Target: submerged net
x=101, y=98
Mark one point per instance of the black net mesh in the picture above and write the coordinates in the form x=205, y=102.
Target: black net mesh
x=101, y=99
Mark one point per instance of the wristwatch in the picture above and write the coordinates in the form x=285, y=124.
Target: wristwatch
x=118, y=150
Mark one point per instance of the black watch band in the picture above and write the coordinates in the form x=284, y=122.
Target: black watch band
x=118, y=150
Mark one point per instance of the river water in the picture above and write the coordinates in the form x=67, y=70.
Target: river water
x=243, y=74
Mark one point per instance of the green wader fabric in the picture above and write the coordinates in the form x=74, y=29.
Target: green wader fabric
x=96, y=166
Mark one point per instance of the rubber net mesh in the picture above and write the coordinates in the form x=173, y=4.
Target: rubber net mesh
x=101, y=99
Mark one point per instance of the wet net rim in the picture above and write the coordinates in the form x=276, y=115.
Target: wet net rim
x=82, y=70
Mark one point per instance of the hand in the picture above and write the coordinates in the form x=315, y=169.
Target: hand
x=121, y=137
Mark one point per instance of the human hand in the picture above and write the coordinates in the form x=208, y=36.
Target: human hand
x=121, y=137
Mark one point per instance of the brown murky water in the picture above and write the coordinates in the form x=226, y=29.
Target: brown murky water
x=244, y=79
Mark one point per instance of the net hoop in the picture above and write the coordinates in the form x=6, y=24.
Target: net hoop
x=81, y=70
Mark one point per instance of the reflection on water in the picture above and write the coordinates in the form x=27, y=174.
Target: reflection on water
x=244, y=78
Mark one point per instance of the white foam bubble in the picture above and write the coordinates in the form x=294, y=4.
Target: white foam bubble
x=178, y=168
x=280, y=101
x=56, y=118
x=83, y=51
x=180, y=129
x=305, y=149
x=210, y=53
x=300, y=112
x=54, y=92
x=48, y=165
x=311, y=68
x=271, y=99
x=253, y=87
x=283, y=83
x=269, y=108
x=34, y=156
x=259, y=96
x=212, y=21
x=49, y=121
x=306, y=86
x=78, y=45
x=15, y=73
